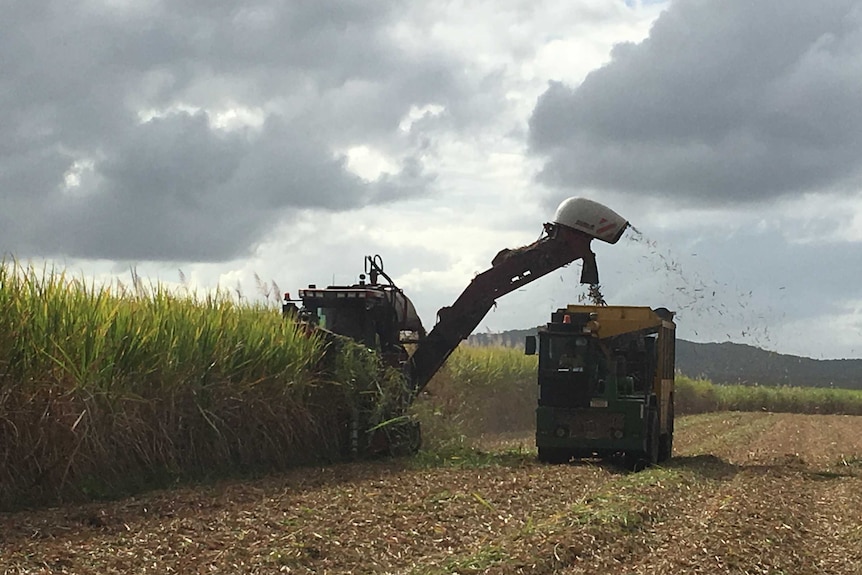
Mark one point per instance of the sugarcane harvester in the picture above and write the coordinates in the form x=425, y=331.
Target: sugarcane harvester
x=377, y=313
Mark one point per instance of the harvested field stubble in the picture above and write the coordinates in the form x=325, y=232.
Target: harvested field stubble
x=747, y=493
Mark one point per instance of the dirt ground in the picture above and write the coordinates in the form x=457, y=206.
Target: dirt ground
x=754, y=493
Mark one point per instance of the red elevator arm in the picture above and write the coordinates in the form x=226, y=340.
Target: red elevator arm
x=510, y=269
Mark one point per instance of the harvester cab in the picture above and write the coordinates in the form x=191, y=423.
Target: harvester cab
x=373, y=311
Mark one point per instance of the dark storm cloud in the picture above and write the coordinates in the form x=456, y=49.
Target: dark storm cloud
x=725, y=102
x=177, y=189
x=109, y=146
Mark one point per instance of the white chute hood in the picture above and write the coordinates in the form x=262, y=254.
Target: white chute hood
x=592, y=218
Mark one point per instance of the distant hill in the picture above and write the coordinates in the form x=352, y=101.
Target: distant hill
x=732, y=363
x=739, y=363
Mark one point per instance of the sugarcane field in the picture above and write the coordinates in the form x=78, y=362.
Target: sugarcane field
x=149, y=432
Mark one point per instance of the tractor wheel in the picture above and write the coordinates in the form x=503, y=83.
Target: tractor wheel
x=554, y=456
x=665, y=447
x=635, y=461
x=665, y=450
x=653, y=439
x=640, y=460
x=405, y=439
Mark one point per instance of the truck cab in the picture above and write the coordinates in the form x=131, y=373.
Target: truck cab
x=605, y=379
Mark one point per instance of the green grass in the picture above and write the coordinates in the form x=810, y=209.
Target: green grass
x=700, y=396
x=108, y=389
x=106, y=339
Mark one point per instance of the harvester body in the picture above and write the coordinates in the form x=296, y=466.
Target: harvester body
x=376, y=313
x=606, y=383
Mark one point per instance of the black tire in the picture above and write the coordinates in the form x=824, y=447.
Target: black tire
x=403, y=439
x=635, y=461
x=553, y=455
x=653, y=438
x=649, y=454
x=665, y=451
x=665, y=447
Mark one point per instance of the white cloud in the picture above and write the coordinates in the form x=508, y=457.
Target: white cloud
x=417, y=113
x=237, y=117
x=830, y=336
x=724, y=103
x=823, y=219
x=288, y=141
x=368, y=163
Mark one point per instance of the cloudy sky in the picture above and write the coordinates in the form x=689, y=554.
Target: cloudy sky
x=289, y=139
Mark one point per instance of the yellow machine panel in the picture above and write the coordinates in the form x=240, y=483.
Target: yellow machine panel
x=614, y=320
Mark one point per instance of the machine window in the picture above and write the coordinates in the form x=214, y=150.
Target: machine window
x=567, y=354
